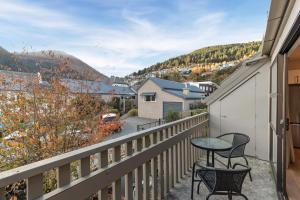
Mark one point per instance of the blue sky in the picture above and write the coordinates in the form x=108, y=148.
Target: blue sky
x=118, y=37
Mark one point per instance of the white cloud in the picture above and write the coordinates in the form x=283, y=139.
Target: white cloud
x=121, y=50
x=21, y=12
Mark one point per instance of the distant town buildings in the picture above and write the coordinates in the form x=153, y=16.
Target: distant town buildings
x=207, y=86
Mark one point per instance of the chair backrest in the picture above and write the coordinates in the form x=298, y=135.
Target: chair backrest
x=238, y=139
x=230, y=179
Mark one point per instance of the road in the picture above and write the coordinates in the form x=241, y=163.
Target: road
x=129, y=126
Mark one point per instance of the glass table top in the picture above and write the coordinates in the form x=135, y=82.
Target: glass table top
x=209, y=143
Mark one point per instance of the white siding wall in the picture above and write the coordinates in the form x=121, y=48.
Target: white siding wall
x=245, y=109
x=214, y=119
x=262, y=112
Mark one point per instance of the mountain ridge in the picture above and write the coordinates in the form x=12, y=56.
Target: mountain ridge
x=49, y=63
x=209, y=56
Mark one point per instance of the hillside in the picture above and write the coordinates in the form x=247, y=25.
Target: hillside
x=49, y=63
x=204, y=63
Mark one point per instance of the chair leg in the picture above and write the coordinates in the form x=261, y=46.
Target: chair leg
x=198, y=188
x=248, y=165
x=193, y=179
x=229, y=163
x=208, y=196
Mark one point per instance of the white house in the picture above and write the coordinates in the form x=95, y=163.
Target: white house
x=262, y=99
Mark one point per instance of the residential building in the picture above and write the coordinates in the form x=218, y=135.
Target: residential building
x=14, y=81
x=106, y=92
x=207, y=86
x=261, y=99
x=156, y=97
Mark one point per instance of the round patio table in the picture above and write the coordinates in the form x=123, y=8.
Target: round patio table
x=211, y=145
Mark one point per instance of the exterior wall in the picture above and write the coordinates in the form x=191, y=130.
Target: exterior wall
x=154, y=110
x=214, y=119
x=262, y=112
x=245, y=109
x=107, y=98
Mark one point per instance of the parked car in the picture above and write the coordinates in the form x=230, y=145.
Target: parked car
x=113, y=120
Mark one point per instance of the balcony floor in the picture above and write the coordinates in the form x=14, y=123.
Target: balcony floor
x=262, y=187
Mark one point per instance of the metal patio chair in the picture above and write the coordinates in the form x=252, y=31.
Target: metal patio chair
x=239, y=143
x=221, y=181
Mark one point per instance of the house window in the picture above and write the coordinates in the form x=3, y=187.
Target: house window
x=149, y=98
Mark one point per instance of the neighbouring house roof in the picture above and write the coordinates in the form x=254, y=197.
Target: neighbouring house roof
x=94, y=87
x=176, y=88
x=17, y=81
x=247, y=69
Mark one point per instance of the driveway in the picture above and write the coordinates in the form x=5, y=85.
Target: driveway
x=129, y=126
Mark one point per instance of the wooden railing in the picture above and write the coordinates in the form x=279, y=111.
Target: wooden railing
x=155, y=123
x=149, y=163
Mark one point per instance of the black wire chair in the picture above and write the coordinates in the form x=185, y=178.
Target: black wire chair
x=221, y=181
x=239, y=143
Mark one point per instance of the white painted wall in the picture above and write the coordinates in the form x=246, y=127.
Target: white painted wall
x=245, y=109
x=214, y=119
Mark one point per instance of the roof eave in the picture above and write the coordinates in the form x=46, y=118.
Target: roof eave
x=276, y=14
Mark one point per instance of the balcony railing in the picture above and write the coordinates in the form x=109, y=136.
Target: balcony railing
x=149, y=162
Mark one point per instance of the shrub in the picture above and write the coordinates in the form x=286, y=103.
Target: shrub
x=116, y=111
x=133, y=112
x=172, y=116
x=197, y=111
x=115, y=103
x=198, y=105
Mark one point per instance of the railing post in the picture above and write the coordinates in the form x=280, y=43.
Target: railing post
x=102, y=159
x=63, y=175
x=171, y=160
x=166, y=165
x=128, y=177
x=146, y=171
x=116, y=186
x=161, y=169
x=175, y=155
x=84, y=166
x=139, y=173
x=179, y=149
x=154, y=168
x=34, y=186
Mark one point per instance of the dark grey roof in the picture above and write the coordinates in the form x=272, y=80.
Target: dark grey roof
x=167, y=84
x=94, y=87
x=17, y=81
x=191, y=95
x=176, y=88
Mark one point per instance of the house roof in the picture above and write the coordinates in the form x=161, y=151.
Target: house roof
x=173, y=85
x=17, y=81
x=94, y=87
x=275, y=20
x=247, y=69
x=176, y=88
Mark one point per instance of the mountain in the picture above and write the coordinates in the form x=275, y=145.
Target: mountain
x=204, y=63
x=49, y=63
